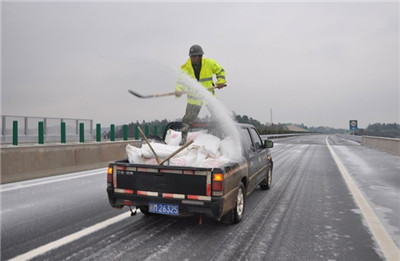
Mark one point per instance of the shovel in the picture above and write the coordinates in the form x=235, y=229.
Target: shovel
x=160, y=94
x=152, y=95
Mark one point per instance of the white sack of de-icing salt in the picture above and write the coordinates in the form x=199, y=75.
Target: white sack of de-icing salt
x=162, y=150
x=173, y=137
x=209, y=143
x=193, y=158
x=181, y=161
x=213, y=163
x=195, y=134
x=150, y=161
x=134, y=154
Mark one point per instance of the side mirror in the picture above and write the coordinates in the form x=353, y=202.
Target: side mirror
x=268, y=144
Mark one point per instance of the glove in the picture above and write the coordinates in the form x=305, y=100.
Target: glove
x=178, y=94
x=221, y=85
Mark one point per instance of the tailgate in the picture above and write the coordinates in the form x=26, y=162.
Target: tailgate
x=164, y=182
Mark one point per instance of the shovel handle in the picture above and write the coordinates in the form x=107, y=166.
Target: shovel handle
x=148, y=143
x=176, y=152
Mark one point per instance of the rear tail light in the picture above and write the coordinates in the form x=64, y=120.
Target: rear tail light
x=217, y=184
x=109, y=176
x=218, y=177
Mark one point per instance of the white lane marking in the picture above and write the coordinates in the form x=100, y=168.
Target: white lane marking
x=70, y=238
x=382, y=237
x=23, y=186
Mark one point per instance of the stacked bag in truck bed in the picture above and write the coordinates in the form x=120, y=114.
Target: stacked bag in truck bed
x=207, y=151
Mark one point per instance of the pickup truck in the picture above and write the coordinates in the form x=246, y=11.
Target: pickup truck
x=218, y=192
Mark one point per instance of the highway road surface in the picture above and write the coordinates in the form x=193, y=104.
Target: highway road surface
x=331, y=199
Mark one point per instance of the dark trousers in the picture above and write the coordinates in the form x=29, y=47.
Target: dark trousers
x=192, y=111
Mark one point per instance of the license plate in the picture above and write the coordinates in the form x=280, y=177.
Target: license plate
x=163, y=208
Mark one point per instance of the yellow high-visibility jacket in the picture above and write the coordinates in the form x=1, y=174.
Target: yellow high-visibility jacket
x=209, y=67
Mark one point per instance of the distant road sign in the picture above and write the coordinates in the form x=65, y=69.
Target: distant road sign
x=353, y=125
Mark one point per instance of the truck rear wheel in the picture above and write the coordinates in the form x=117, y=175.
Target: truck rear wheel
x=236, y=215
x=238, y=211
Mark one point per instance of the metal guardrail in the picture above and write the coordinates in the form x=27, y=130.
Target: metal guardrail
x=29, y=129
x=280, y=136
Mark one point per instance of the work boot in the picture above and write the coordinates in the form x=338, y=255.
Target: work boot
x=183, y=140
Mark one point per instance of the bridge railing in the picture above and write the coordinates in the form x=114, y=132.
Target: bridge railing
x=280, y=136
x=28, y=129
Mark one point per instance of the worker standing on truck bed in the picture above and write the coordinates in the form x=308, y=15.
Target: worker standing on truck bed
x=203, y=70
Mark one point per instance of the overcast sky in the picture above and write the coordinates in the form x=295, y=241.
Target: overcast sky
x=317, y=63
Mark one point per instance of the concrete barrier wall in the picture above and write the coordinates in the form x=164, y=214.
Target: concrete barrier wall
x=384, y=144
x=354, y=138
x=30, y=162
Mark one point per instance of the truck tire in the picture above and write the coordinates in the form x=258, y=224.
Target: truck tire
x=266, y=183
x=238, y=211
x=112, y=203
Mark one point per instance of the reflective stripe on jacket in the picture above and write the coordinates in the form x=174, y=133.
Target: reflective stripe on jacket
x=209, y=67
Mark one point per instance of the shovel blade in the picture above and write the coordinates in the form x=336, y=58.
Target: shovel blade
x=139, y=95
